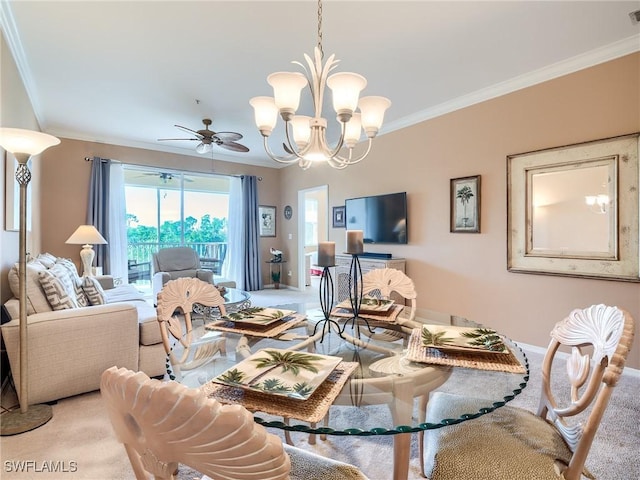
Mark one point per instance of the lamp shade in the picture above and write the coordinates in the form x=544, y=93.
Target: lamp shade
x=286, y=89
x=266, y=114
x=18, y=140
x=346, y=87
x=86, y=234
x=203, y=147
x=372, y=109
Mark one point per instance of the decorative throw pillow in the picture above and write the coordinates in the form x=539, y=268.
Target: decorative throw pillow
x=36, y=299
x=94, y=291
x=47, y=259
x=72, y=271
x=58, y=289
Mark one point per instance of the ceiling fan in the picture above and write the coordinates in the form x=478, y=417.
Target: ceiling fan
x=208, y=138
x=164, y=176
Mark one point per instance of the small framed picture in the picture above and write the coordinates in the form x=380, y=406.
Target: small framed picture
x=338, y=217
x=267, y=220
x=465, y=204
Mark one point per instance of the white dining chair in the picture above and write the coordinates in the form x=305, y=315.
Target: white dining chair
x=513, y=443
x=165, y=424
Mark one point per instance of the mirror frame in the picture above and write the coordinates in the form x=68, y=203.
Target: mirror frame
x=521, y=258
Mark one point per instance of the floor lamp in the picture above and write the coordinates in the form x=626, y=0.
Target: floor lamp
x=23, y=144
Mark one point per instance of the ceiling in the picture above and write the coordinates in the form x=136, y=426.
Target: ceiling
x=124, y=72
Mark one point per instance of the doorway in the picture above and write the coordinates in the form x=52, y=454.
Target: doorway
x=313, y=227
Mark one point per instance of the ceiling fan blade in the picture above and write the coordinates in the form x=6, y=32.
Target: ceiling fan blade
x=228, y=136
x=186, y=129
x=163, y=139
x=234, y=147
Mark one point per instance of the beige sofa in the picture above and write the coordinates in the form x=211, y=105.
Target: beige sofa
x=70, y=348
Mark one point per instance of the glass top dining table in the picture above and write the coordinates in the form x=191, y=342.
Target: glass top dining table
x=362, y=383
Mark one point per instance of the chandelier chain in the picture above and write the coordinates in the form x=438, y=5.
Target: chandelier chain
x=320, y=28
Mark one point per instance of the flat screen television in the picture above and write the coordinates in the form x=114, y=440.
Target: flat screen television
x=382, y=218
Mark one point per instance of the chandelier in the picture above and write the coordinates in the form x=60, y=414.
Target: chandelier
x=305, y=137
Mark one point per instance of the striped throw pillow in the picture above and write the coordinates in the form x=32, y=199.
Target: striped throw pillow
x=94, y=291
x=58, y=289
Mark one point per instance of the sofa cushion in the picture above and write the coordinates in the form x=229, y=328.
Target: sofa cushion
x=36, y=299
x=71, y=269
x=123, y=293
x=58, y=288
x=93, y=291
x=148, y=322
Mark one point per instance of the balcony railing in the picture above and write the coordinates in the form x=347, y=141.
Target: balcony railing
x=211, y=254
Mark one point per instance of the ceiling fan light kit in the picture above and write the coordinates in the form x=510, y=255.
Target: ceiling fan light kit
x=208, y=138
x=306, y=140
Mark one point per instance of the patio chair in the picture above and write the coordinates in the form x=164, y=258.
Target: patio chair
x=164, y=424
x=510, y=442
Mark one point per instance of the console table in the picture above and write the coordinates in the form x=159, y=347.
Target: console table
x=343, y=264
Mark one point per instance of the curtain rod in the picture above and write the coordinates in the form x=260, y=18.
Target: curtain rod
x=88, y=159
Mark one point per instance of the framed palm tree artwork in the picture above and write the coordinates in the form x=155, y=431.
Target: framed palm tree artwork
x=465, y=204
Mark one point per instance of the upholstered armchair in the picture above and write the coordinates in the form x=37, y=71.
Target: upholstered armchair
x=177, y=262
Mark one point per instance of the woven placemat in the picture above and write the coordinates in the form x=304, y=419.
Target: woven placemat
x=268, y=331
x=389, y=316
x=500, y=362
x=310, y=410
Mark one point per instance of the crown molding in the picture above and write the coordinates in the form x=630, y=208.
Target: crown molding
x=8, y=26
x=580, y=62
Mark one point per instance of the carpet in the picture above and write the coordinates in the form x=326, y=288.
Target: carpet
x=78, y=443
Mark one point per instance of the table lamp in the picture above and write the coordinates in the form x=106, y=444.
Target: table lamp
x=86, y=235
x=23, y=144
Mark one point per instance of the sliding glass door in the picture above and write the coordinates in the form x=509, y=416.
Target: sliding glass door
x=168, y=209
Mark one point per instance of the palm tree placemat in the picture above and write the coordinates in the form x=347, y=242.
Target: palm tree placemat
x=480, y=359
x=312, y=410
x=269, y=331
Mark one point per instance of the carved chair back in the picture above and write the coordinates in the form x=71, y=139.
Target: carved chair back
x=179, y=296
x=385, y=281
x=600, y=338
x=163, y=424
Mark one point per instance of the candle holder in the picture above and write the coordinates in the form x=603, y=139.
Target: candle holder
x=326, y=303
x=355, y=296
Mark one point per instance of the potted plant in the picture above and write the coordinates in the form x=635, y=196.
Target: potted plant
x=275, y=277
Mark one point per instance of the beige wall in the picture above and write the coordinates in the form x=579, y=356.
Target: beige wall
x=15, y=112
x=67, y=181
x=466, y=274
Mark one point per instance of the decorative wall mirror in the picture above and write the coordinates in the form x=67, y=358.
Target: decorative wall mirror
x=574, y=210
